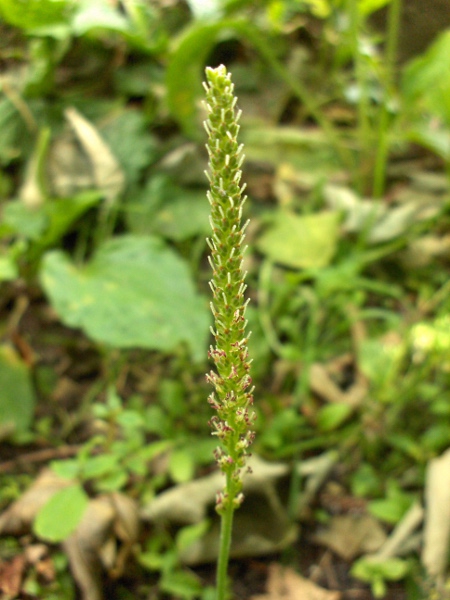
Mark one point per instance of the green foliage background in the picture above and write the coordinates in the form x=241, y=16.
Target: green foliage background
x=104, y=218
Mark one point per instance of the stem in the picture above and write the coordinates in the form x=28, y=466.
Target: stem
x=379, y=177
x=232, y=397
x=226, y=528
x=304, y=96
x=300, y=392
x=364, y=130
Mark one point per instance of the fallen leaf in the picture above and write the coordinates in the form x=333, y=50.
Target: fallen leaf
x=285, y=584
x=11, y=576
x=108, y=175
x=437, y=516
x=403, y=538
x=351, y=535
x=18, y=518
x=103, y=540
x=323, y=385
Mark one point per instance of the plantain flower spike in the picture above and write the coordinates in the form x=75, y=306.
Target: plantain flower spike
x=232, y=395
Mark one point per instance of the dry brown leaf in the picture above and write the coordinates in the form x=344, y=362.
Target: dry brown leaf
x=437, y=516
x=322, y=384
x=285, y=584
x=84, y=545
x=94, y=545
x=108, y=175
x=102, y=540
x=18, y=518
x=351, y=535
x=11, y=576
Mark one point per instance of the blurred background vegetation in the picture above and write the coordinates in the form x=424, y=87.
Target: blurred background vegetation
x=104, y=280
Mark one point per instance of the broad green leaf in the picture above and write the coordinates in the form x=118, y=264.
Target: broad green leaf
x=128, y=138
x=169, y=210
x=62, y=212
x=30, y=14
x=67, y=469
x=97, y=466
x=304, y=157
x=380, y=360
x=332, y=416
x=436, y=140
x=296, y=241
x=319, y=8
x=112, y=482
x=392, y=508
x=185, y=70
x=17, y=398
x=99, y=14
x=367, y=7
x=181, y=584
x=8, y=268
x=426, y=79
x=181, y=465
x=134, y=293
x=27, y=222
x=60, y=516
x=46, y=224
x=191, y=534
x=213, y=9
x=15, y=136
x=391, y=569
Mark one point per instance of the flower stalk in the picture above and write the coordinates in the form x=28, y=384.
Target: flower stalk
x=232, y=395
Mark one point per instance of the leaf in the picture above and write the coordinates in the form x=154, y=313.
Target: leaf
x=332, y=416
x=428, y=136
x=17, y=397
x=181, y=465
x=181, y=584
x=18, y=517
x=351, y=535
x=185, y=70
x=135, y=292
x=213, y=9
x=426, y=79
x=33, y=189
x=103, y=538
x=367, y=7
x=392, y=508
x=98, y=14
x=169, y=210
x=284, y=582
x=108, y=175
x=8, y=268
x=15, y=136
x=190, y=534
x=375, y=571
x=437, y=516
x=59, y=517
x=131, y=143
x=46, y=224
x=307, y=241
x=30, y=14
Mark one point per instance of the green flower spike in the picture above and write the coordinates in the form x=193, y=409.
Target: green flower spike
x=232, y=397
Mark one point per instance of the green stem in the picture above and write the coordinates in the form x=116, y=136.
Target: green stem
x=364, y=129
x=301, y=389
x=301, y=92
x=379, y=177
x=226, y=528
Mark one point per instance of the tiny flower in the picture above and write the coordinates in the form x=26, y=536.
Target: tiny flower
x=230, y=398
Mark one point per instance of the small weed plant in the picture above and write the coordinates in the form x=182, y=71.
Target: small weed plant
x=232, y=396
